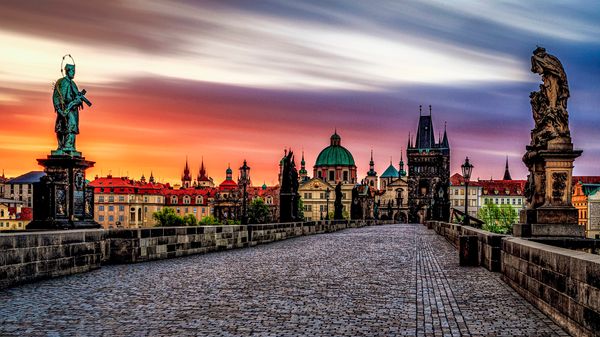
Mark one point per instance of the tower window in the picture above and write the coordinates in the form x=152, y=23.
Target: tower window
x=345, y=175
x=332, y=175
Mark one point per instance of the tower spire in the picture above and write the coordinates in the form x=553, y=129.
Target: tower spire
x=506, y=171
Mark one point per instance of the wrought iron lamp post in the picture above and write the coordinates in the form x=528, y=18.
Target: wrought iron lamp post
x=244, y=179
x=467, y=168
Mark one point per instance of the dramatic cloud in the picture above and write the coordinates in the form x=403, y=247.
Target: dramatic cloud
x=228, y=80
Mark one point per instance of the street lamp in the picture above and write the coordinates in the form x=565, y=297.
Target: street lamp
x=467, y=168
x=244, y=177
x=327, y=190
x=399, y=200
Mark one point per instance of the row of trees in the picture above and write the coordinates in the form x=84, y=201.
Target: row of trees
x=258, y=212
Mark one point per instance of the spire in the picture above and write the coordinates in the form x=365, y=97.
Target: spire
x=335, y=139
x=506, y=172
x=151, y=180
x=371, y=172
x=445, y=143
x=228, y=172
x=186, y=178
x=420, y=110
x=402, y=172
x=409, y=144
x=429, y=110
x=202, y=172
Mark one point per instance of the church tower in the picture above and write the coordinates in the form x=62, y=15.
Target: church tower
x=186, y=178
x=371, y=179
x=428, y=173
x=303, y=174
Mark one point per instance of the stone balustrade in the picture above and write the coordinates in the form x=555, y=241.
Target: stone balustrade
x=563, y=283
x=30, y=256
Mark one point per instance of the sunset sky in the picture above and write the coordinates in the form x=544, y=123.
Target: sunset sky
x=231, y=80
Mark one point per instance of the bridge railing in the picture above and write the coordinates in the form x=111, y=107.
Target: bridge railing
x=30, y=256
x=562, y=283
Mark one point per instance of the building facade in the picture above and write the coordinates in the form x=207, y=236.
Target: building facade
x=457, y=195
x=120, y=202
x=428, y=174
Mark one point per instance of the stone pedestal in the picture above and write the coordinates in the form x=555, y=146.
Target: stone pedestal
x=550, y=211
x=62, y=200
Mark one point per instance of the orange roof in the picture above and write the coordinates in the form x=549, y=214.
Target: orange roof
x=502, y=187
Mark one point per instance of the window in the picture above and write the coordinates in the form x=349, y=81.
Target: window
x=199, y=200
x=331, y=175
x=111, y=208
x=122, y=198
x=462, y=192
x=121, y=208
x=111, y=218
x=520, y=201
x=186, y=200
x=101, y=198
x=145, y=199
x=174, y=199
x=320, y=175
x=111, y=198
x=121, y=218
x=345, y=175
x=101, y=208
x=101, y=218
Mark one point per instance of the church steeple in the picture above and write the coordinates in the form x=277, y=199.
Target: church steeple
x=402, y=172
x=372, y=172
x=202, y=172
x=303, y=174
x=506, y=172
x=151, y=180
x=186, y=178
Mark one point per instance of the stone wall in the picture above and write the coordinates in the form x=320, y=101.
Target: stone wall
x=147, y=244
x=26, y=257
x=563, y=283
x=30, y=256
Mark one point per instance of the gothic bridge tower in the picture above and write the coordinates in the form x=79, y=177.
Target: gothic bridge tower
x=428, y=173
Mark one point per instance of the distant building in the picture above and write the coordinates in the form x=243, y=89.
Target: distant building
x=22, y=188
x=12, y=216
x=204, y=180
x=457, y=195
x=313, y=193
x=593, y=225
x=228, y=199
x=428, y=173
x=270, y=196
x=583, y=189
x=503, y=192
x=191, y=200
x=334, y=164
x=392, y=199
x=120, y=202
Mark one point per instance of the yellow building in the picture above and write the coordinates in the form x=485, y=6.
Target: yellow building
x=10, y=219
x=120, y=202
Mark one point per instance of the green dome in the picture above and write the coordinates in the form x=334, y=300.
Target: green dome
x=335, y=154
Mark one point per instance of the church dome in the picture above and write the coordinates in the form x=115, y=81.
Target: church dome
x=335, y=154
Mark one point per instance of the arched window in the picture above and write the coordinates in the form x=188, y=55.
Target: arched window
x=199, y=200
x=174, y=199
x=269, y=201
x=186, y=199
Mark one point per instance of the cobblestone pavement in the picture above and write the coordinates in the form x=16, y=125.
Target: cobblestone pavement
x=374, y=281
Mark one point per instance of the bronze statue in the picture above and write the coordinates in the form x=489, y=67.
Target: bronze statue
x=68, y=100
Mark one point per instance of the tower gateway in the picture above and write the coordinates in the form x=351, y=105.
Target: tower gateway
x=428, y=173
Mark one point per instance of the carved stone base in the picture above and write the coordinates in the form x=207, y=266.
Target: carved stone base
x=572, y=230
x=62, y=200
x=550, y=215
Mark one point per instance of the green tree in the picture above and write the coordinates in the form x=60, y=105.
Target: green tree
x=498, y=219
x=301, y=209
x=167, y=217
x=190, y=220
x=258, y=212
x=209, y=221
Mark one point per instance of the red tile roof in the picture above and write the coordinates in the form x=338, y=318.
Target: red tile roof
x=502, y=187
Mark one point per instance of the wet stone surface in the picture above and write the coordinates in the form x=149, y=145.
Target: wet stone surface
x=396, y=280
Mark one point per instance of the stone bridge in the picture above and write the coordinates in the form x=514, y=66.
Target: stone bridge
x=395, y=280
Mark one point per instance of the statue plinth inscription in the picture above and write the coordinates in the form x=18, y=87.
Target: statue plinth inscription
x=63, y=201
x=549, y=157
